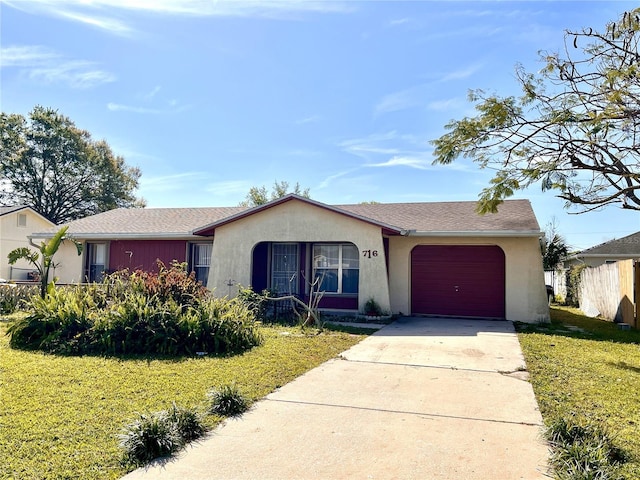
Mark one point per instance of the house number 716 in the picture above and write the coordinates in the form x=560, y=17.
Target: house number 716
x=369, y=253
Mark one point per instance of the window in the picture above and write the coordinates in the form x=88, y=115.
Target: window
x=284, y=268
x=22, y=219
x=201, y=261
x=338, y=267
x=96, y=262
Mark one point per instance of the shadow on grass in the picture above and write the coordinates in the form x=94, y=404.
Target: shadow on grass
x=570, y=322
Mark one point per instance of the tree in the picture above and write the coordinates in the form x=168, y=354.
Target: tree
x=575, y=129
x=49, y=164
x=43, y=261
x=259, y=195
x=554, y=247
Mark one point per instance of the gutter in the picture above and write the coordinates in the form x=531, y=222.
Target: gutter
x=474, y=233
x=124, y=236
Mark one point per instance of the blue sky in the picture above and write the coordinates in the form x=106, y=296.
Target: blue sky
x=210, y=98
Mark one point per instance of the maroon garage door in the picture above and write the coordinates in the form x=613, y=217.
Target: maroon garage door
x=458, y=280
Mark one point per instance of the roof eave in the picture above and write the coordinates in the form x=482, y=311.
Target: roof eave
x=208, y=230
x=123, y=236
x=476, y=233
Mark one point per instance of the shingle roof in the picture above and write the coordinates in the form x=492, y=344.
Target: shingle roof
x=149, y=221
x=7, y=210
x=514, y=216
x=625, y=246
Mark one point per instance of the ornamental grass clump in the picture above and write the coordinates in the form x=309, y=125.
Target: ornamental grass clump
x=227, y=401
x=582, y=450
x=149, y=437
x=160, y=434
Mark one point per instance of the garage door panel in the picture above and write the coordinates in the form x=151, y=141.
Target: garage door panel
x=461, y=280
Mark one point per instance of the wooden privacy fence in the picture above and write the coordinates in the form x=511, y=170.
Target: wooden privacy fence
x=611, y=291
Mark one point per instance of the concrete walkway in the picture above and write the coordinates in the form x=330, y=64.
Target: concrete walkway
x=422, y=398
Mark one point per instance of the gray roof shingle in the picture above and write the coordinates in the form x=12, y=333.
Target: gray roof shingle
x=625, y=246
x=513, y=216
x=7, y=210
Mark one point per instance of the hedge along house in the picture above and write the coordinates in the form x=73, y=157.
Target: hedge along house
x=412, y=258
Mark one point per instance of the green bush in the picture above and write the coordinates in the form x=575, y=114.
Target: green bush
x=166, y=313
x=574, y=276
x=57, y=323
x=227, y=401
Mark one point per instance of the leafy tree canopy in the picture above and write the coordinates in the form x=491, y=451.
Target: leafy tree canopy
x=260, y=195
x=49, y=164
x=574, y=130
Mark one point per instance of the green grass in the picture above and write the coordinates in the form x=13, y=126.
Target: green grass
x=592, y=373
x=60, y=415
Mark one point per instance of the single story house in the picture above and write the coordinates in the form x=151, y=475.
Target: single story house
x=437, y=258
x=16, y=224
x=624, y=248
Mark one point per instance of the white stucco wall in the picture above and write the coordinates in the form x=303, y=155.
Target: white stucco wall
x=68, y=264
x=13, y=236
x=525, y=294
x=296, y=221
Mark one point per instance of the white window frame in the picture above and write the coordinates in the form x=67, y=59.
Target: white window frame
x=22, y=220
x=194, y=259
x=339, y=267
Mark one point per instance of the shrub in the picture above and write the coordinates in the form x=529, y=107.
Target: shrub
x=574, y=276
x=150, y=436
x=57, y=323
x=258, y=303
x=582, y=451
x=134, y=314
x=227, y=401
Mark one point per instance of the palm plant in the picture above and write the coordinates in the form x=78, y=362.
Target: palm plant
x=43, y=261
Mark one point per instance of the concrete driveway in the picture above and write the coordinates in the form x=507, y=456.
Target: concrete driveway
x=423, y=398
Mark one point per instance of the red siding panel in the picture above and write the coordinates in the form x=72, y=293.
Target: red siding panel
x=458, y=280
x=143, y=254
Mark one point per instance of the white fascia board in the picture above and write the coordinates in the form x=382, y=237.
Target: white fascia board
x=125, y=236
x=497, y=233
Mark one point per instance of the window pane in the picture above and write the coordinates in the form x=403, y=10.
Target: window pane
x=326, y=256
x=329, y=279
x=350, y=256
x=202, y=255
x=350, y=280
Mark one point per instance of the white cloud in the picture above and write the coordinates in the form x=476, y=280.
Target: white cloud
x=174, y=107
x=76, y=74
x=309, y=119
x=231, y=187
x=402, y=100
x=462, y=73
x=26, y=55
x=163, y=183
x=402, y=161
x=91, y=12
x=45, y=65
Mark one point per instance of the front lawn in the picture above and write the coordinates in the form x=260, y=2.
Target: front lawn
x=589, y=368
x=60, y=415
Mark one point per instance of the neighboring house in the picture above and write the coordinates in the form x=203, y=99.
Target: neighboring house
x=16, y=224
x=412, y=258
x=609, y=252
